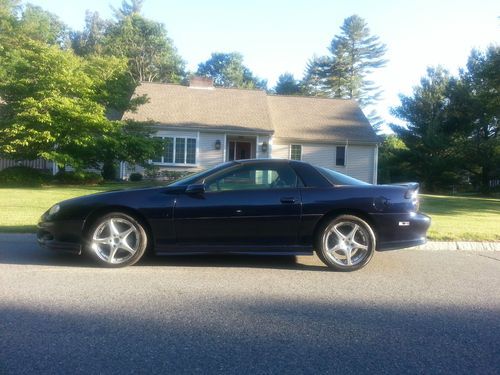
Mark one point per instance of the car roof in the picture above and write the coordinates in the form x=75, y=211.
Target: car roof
x=272, y=161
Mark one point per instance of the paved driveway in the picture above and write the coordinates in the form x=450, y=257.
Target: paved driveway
x=408, y=311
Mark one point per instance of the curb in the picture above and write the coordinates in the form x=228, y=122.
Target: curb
x=459, y=246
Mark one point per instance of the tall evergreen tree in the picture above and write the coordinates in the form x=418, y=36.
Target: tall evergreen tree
x=355, y=53
x=427, y=134
x=475, y=101
x=287, y=85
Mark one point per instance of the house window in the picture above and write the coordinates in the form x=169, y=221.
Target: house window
x=177, y=150
x=168, y=151
x=296, y=152
x=191, y=151
x=340, y=157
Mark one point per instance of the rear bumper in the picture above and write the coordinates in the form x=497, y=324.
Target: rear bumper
x=398, y=231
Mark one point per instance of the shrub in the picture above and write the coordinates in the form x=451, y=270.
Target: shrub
x=24, y=176
x=109, y=171
x=174, y=175
x=135, y=177
x=78, y=178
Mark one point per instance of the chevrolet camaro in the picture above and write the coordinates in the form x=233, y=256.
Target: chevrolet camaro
x=245, y=206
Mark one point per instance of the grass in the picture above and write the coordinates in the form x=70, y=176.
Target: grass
x=462, y=218
x=453, y=218
x=20, y=208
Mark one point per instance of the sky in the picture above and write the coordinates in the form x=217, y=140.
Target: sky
x=277, y=36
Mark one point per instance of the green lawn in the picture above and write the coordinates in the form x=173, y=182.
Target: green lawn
x=20, y=208
x=462, y=218
x=453, y=218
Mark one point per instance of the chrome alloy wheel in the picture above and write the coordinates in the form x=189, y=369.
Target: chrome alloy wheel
x=346, y=243
x=115, y=240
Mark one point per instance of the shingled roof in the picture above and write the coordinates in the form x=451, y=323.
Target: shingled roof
x=292, y=117
x=227, y=109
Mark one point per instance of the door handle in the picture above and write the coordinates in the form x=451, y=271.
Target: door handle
x=288, y=200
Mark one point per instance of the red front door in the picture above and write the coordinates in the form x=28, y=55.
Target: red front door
x=239, y=150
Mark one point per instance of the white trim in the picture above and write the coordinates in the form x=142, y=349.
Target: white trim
x=270, y=147
x=174, y=144
x=257, y=141
x=345, y=156
x=224, y=148
x=375, y=165
x=55, y=168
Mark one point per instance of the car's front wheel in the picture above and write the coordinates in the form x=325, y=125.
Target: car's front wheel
x=345, y=243
x=116, y=240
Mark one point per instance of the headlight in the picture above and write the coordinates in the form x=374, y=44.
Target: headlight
x=54, y=209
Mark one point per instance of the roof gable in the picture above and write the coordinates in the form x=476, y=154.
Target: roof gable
x=293, y=117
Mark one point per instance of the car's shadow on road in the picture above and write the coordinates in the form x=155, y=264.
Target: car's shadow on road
x=29, y=254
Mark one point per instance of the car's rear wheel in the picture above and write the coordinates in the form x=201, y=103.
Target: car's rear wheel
x=345, y=243
x=116, y=240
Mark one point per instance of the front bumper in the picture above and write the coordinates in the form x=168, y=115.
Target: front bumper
x=60, y=236
x=398, y=231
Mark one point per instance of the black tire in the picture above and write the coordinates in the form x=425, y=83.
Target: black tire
x=116, y=240
x=333, y=243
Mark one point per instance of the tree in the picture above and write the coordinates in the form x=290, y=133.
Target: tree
x=90, y=41
x=128, y=8
x=391, y=166
x=475, y=101
x=144, y=43
x=355, y=53
x=46, y=27
x=227, y=70
x=55, y=108
x=287, y=85
x=427, y=133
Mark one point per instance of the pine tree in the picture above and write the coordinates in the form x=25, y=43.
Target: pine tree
x=355, y=53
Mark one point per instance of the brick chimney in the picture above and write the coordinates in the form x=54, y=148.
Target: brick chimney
x=198, y=82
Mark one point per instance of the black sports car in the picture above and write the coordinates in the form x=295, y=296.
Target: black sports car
x=245, y=206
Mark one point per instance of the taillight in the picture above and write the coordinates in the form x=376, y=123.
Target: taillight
x=413, y=196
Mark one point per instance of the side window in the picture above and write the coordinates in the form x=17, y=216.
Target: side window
x=340, y=155
x=254, y=178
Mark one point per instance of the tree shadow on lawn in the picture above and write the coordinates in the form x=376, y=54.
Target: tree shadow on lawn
x=23, y=250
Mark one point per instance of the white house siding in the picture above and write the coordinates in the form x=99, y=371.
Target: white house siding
x=261, y=139
x=208, y=156
x=360, y=160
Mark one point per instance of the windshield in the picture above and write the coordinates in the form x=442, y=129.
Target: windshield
x=192, y=178
x=337, y=178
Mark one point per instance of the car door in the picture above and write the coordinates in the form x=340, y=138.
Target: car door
x=248, y=205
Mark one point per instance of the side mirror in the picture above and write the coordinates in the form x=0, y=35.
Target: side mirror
x=196, y=189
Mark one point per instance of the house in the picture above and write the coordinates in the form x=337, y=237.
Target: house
x=204, y=126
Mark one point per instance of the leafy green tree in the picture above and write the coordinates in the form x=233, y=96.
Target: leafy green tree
x=427, y=133
x=128, y=8
x=54, y=107
x=90, y=41
x=228, y=70
x=150, y=53
x=144, y=43
x=287, y=85
x=392, y=167
x=38, y=24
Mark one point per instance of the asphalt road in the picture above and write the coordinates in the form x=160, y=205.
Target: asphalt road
x=408, y=311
